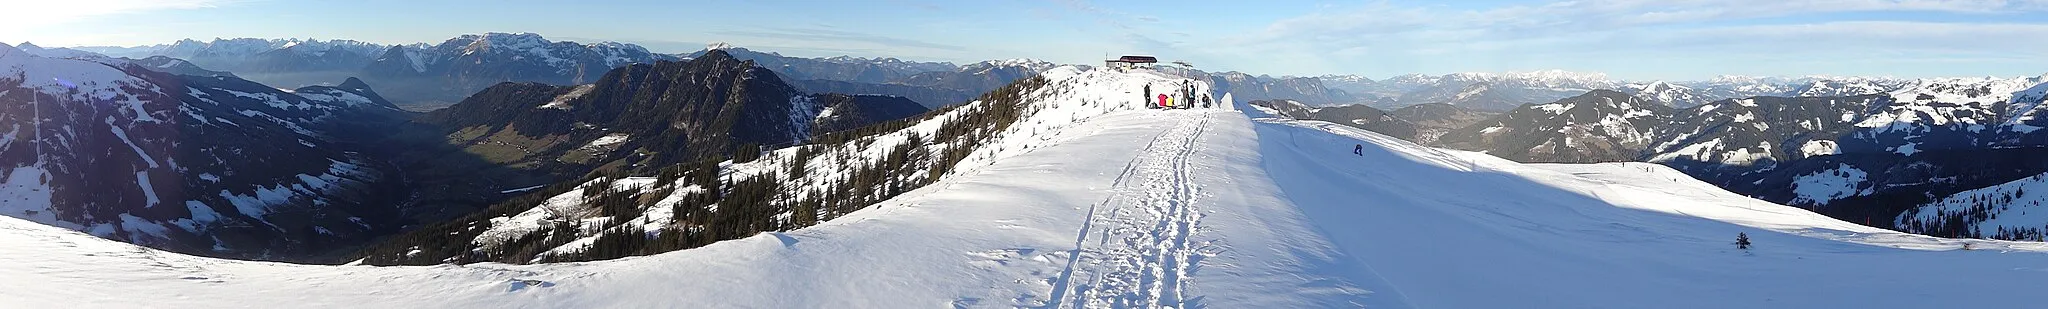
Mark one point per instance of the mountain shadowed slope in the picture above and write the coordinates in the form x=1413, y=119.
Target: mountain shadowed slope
x=1598, y=126
x=847, y=69
x=1433, y=120
x=932, y=84
x=208, y=165
x=650, y=114
x=979, y=77
x=1763, y=130
x=928, y=96
x=1308, y=90
x=1865, y=158
x=846, y=112
x=1356, y=115
x=178, y=66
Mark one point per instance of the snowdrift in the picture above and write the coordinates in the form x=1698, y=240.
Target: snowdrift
x=1165, y=208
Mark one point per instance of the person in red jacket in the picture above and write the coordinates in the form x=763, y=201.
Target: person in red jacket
x=1162, y=100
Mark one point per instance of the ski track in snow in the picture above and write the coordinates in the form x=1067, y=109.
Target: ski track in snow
x=1145, y=256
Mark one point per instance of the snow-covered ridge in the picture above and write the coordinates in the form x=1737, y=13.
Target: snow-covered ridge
x=1034, y=65
x=1687, y=93
x=246, y=47
x=1538, y=79
x=60, y=52
x=1349, y=78
x=2004, y=211
x=563, y=56
x=1660, y=91
x=2027, y=105
x=81, y=80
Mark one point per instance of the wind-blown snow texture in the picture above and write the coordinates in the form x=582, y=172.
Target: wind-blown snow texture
x=1174, y=208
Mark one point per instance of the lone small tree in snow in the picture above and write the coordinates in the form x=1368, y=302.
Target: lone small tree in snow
x=1742, y=241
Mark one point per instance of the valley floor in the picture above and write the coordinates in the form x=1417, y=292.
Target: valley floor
x=1177, y=208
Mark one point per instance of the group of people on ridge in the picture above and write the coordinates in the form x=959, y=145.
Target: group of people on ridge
x=1183, y=99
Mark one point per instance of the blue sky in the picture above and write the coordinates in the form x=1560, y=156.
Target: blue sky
x=1628, y=39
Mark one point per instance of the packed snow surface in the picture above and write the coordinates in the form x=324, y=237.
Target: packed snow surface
x=1165, y=208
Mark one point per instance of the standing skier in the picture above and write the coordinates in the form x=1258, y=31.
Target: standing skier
x=1148, y=94
x=1358, y=149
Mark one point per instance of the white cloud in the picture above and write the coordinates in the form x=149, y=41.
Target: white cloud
x=1385, y=36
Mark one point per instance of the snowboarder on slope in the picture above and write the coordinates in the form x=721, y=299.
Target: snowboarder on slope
x=1358, y=149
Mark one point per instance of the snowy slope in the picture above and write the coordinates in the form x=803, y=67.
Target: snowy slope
x=2004, y=211
x=1176, y=208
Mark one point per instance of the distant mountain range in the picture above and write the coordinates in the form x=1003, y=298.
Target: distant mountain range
x=414, y=74
x=1504, y=91
x=934, y=84
x=424, y=76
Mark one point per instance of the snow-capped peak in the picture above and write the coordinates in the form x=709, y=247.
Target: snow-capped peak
x=60, y=52
x=1661, y=91
x=1963, y=90
x=1723, y=79
x=499, y=40
x=1410, y=78
x=1545, y=78
x=717, y=46
x=1349, y=78
x=1556, y=74
x=1034, y=65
